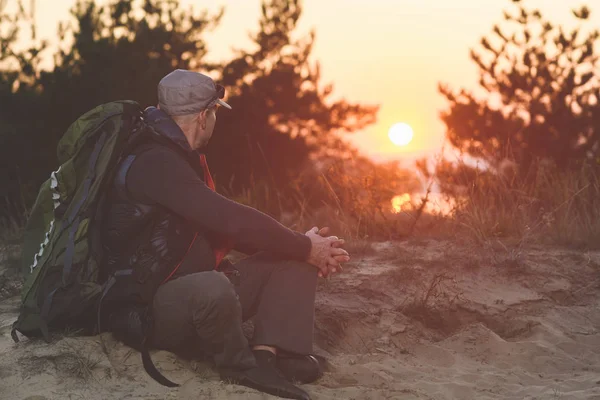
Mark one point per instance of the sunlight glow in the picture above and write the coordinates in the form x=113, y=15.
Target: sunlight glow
x=399, y=201
x=401, y=134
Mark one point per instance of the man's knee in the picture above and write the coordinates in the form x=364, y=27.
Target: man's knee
x=213, y=289
x=215, y=307
x=270, y=262
x=302, y=274
x=299, y=269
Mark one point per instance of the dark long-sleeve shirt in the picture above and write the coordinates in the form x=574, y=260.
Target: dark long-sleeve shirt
x=161, y=176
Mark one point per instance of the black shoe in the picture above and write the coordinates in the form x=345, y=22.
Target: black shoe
x=299, y=368
x=265, y=378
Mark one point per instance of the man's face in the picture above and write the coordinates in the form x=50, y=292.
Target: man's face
x=205, y=127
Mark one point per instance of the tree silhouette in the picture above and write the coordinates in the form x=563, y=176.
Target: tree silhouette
x=280, y=114
x=19, y=113
x=120, y=50
x=540, y=93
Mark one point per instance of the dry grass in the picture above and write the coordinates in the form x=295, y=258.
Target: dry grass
x=435, y=302
x=11, y=230
x=547, y=205
x=78, y=365
x=70, y=360
x=11, y=280
x=358, y=212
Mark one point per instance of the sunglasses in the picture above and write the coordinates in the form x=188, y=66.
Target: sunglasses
x=220, y=93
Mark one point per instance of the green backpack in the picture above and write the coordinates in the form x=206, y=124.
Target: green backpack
x=61, y=251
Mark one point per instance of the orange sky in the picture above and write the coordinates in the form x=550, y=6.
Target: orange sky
x=387, y=52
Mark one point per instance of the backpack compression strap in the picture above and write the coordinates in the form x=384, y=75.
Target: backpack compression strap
x=73, y=223
x=149, y=366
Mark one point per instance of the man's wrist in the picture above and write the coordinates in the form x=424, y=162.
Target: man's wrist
x=306, y=247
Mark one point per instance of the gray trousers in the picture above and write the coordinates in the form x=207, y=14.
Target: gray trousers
x=202, y=313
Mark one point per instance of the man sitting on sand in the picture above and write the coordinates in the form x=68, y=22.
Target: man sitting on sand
x=165, y=222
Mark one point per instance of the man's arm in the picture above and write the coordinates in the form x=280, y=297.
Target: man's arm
x=245, y=249
x=160, y=176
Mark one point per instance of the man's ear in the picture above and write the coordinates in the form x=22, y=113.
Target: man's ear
x=202, y=118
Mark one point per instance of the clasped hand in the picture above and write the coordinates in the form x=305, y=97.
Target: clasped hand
x=326, y=252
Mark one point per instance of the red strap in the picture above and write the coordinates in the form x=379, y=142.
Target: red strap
x=207, y=177
x=180, y=262
x=224, y=245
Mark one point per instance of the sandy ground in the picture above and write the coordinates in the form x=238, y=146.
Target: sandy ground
x=410, y=320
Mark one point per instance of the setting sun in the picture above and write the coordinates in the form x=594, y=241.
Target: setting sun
x=400, y=134
x=400, y=201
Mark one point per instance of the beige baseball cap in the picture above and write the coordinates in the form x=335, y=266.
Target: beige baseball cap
x=184, y=92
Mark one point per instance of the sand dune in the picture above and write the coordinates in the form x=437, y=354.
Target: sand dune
x=411, y=320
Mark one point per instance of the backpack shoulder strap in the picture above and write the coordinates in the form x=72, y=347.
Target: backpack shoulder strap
x=120, y=179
